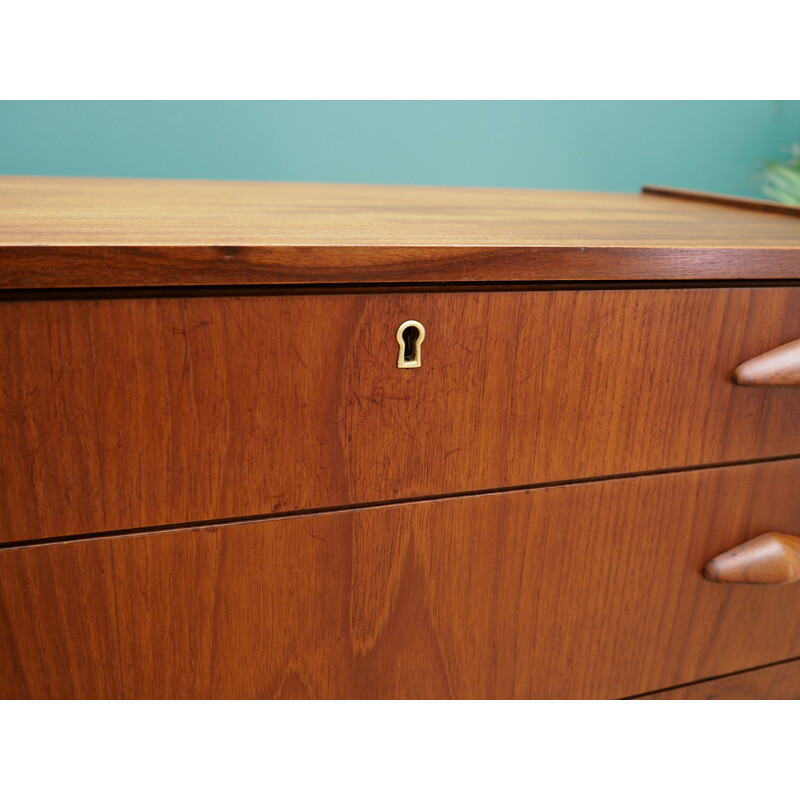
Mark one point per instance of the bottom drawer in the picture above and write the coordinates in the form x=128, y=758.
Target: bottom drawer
x=776, y=682
x=588, y=590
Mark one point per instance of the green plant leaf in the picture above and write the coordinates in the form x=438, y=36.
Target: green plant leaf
x=781, y=181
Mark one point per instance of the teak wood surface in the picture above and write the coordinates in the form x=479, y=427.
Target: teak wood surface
x=578, y=591
x=130, y=413
x=227, y=351
x=94, y=232
x=776, y=682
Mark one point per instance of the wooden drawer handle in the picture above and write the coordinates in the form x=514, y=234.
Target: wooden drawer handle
x=770, y=558
x=778, y=367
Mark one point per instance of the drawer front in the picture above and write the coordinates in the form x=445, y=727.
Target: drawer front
x=129, y=413
x=589, y=590
x=776, y=682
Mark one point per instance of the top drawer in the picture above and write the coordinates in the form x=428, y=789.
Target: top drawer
x=124, y=413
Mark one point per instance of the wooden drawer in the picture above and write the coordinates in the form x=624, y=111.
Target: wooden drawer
x=776, y=682
x=138, y=412
x=587, y=590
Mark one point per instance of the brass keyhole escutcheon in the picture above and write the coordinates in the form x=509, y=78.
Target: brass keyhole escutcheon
x=410, y=336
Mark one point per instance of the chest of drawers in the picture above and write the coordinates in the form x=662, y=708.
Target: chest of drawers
x=272, y=440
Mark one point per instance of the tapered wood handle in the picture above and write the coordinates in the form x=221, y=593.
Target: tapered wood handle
x=778, y=367
x=770, y=558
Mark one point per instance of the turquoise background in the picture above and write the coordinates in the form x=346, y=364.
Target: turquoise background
x=593, y=145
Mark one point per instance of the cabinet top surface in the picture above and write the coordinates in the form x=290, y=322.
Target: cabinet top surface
x=104, y=212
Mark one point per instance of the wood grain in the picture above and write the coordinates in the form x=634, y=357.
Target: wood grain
x=84, y=232
x=581, y=591
x=112, y=212
x=776, y=682
x=130, y=413
x=24, y=268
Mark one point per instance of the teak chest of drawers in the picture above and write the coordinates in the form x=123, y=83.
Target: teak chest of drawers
x=273, y=440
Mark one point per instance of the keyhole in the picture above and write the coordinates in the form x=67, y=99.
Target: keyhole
x=410, y=336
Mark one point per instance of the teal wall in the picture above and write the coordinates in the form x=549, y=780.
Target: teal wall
x=594, y=145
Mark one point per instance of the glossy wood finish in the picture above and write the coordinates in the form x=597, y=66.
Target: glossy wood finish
x=778, y=367
x=589, y=590
x=128, y=413
x=63, y=267
x=146, y=408
x=772, y=558
x=79, y=232
x=776, y=682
